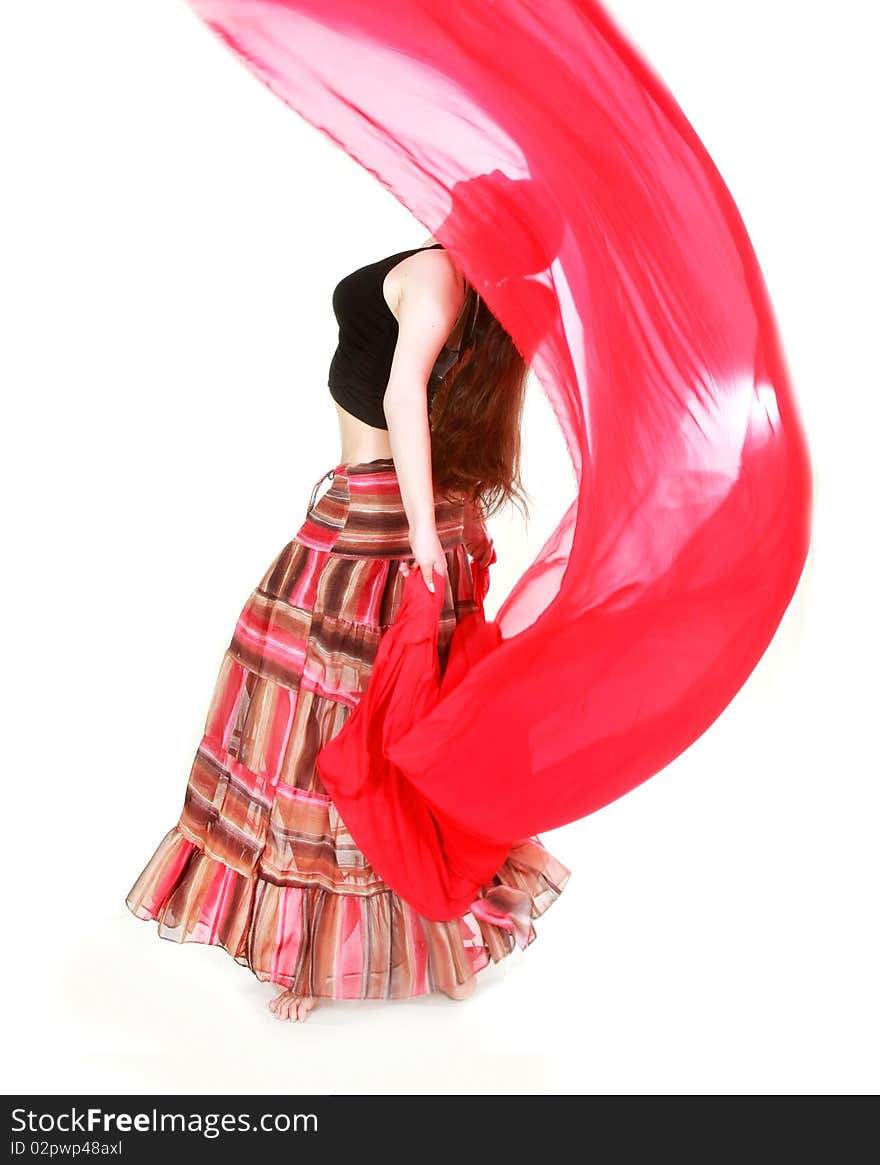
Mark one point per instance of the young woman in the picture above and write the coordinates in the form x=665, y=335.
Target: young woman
x=428, y=388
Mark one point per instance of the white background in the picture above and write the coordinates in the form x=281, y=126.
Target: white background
x=171, y=237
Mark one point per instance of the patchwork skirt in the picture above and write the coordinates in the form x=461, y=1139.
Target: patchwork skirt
x=260, y=862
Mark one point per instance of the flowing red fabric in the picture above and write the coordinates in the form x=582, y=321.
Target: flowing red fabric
x=541, y=148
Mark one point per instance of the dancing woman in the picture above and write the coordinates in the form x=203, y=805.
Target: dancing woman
x=429, y=390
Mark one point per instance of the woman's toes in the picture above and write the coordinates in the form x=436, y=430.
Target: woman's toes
x=290, y=1006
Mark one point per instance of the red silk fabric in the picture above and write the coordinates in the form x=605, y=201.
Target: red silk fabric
x=542, y=150
x=440, y=863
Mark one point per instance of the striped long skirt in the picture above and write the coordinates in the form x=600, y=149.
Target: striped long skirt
x=260, y=862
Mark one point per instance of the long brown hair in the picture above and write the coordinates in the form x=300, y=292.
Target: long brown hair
x=475, y=413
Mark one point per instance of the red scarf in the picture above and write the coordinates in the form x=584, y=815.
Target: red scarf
x=560, y=174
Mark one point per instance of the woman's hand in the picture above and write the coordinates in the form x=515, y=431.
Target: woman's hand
x=428, y=554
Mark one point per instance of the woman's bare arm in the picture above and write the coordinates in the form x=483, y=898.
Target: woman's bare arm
x=430, y=298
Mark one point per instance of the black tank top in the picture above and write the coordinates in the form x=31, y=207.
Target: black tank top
x=368, y=329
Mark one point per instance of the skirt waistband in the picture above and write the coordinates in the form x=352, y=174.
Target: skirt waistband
x=362, y=514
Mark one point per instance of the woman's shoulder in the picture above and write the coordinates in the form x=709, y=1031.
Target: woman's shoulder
x=426, y=274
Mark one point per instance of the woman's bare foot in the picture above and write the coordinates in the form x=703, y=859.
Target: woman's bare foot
x=289, y=1005
x=462, y=990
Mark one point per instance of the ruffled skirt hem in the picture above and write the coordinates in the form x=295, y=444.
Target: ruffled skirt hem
x=332, y=944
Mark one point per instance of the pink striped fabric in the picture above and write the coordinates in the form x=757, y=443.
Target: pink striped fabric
x=260, y=862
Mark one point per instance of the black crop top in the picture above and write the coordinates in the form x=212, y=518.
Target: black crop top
x=368, y=329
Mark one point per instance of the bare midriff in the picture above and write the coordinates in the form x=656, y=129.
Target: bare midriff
x=359, y=441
